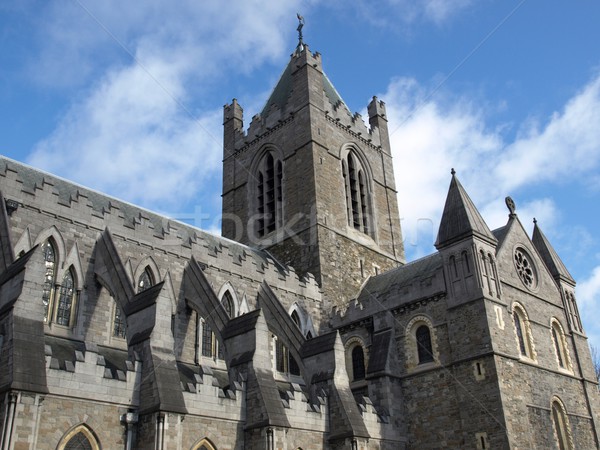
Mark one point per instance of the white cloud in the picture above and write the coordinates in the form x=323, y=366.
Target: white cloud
x=78, y=39
x=134, y=124
x=567, y=145
x=440, y=132
x=399, y=14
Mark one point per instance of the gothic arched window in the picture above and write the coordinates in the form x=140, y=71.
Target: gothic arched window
x=561, y=426
x=119, y=323
x=79, y=438
x=66, y=299
x=146, y=280
x=269, y=194
x=296, y=319
x=573, y=311
x=227, y=302
x=560, y=345
x=79, y=442
x=49, y=251
x=424, y=347
x=358, y=363
x=208, y=340
x=523, y=332
x=357, y=193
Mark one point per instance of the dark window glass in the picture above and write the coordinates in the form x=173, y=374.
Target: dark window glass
x=424, y=349
x=79, y=442
x=227, y=303
x=296, y=318
x=558, y=345
x=281, y=357
x=207, y=340
x=520, y=336
x=358, y=363
x=65, y=300
x=119, y=323
x=146, y=280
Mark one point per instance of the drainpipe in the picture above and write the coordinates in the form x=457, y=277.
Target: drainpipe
x=270, y=440
x=129, y=419
x=160, y=428
x=9, y=420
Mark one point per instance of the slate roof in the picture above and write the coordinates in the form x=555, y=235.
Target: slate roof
x=500, y=233
x=64, y=356
x=400, y=276
x=461, y=218
x=549, y=255
x=283, y=89
x=102, y=204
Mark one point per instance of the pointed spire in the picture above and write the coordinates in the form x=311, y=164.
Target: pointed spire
x=461, y=218
x=549, y=256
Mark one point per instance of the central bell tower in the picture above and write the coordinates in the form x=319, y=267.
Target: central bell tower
x=311, y=183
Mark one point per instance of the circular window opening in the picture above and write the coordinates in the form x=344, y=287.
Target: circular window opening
x=525, y=268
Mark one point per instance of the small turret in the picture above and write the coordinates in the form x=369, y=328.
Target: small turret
x=378, y=120
x=233, y=124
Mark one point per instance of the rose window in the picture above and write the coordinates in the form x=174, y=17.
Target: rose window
x=525, y=268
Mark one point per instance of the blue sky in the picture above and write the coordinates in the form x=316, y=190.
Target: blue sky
x=126, y=98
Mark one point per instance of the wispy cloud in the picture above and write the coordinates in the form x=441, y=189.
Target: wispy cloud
x=400, y=15
x=134, y=123
x=440, y=132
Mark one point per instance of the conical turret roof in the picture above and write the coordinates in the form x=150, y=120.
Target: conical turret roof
x=461, y=218
x=549, y=255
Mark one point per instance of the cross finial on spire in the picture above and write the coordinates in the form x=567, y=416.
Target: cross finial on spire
x=534, y=221
x=452, y=172
x=510, y=204
x=300, y=25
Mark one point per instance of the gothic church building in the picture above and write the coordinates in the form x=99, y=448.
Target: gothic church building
x=303, y=327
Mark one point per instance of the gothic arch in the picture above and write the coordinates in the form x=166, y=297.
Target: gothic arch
x=523, y=335
x=59, y=242
x=72, y=261
x=357, y=177
x=299, y=313
x=77, y=437
x=146, y=262
x=265, y=196
x=228, y=287
x=563, y=435
x=204, y=444
x=559, y=342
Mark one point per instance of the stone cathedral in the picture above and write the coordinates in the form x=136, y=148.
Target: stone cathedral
x=303, y=327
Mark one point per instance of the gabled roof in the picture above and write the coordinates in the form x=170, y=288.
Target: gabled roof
x=461, y=218
x=404, y=275
x=283, y=89
x=549, y=255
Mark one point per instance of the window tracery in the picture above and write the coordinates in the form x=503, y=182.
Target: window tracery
x=269, y=194
x=66, y=300
x=146, y=280
x=49, y=252
x=525, y=268
x=357, y=193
